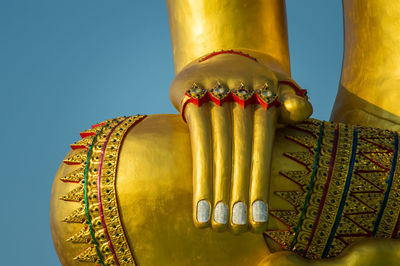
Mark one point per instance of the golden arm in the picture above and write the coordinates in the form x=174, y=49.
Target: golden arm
x=369, y=87
x=201, y=27
x=232, y=142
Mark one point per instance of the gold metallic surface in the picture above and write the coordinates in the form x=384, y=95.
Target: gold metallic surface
x=369, y=87
x=222, y=145
x=101, y=231
x=228, y=69
x=242, y=129
x=197, y=119
x=164, y=171
x=111, y=233
x=154, y=196
x=59, y=209
x=294, y=108
x=264, y=135
x=204, y=26
x=369, y=252
x=233, y=129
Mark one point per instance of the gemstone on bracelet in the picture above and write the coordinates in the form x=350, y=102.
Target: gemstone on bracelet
x=219, y=92
x=243, y=93
x=196, y=92
x=266, y=94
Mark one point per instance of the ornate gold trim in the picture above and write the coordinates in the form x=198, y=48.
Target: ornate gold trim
x=354, y=195
x=99, y=214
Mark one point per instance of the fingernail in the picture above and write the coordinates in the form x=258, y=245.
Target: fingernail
x=221, y=213
x=260, y=214
x=239, y=213
x=203, y=211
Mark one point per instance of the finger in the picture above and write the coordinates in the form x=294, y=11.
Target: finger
x=294, y=108
x=242, y=145
x=222, y=156
x=264, y=133
x=199, y=127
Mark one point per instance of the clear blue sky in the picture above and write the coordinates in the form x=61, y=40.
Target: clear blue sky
x=65, y=65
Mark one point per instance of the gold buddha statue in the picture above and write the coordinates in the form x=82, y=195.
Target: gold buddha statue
x=241, y=176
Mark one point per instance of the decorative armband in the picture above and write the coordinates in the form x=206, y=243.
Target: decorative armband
x=226, y=52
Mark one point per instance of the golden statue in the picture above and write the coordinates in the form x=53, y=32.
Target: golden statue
x=242, y=161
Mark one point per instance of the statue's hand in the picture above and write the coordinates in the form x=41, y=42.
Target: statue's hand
x=232, y=105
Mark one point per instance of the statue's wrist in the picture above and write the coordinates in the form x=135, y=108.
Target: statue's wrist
x=221, y=66
x=260, y=57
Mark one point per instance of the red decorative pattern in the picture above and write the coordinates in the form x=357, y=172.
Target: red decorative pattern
x=297, y=89
x=397, y=228
x=231, y=97
x=227, y=52
x=326, y=188
x=99, y=124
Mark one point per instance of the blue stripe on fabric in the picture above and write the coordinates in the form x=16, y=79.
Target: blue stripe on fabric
x=310, y=185
x=388, y=187
x=344, y=196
